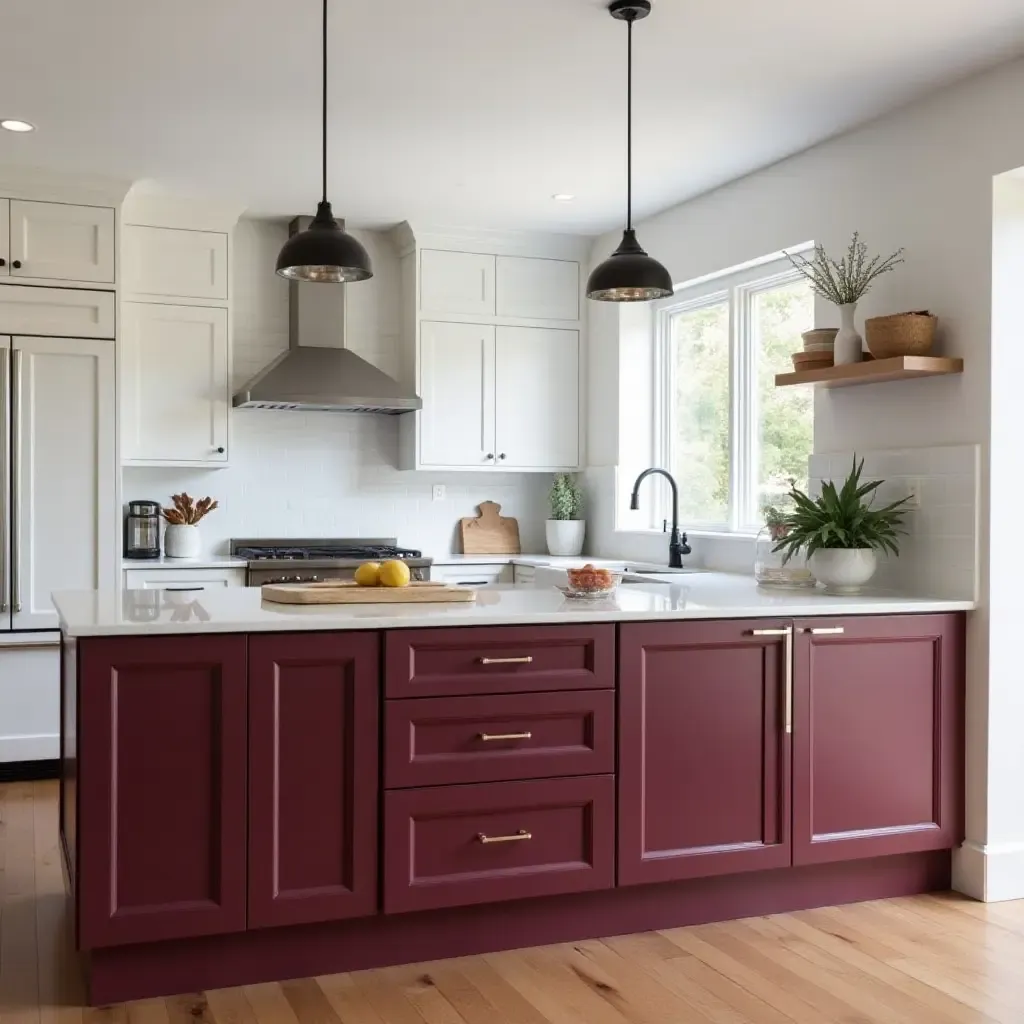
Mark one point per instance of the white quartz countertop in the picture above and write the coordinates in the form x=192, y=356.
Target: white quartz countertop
x=242, y=610
x=213, y=562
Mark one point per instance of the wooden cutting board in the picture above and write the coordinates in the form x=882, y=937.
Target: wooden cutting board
x=490, y=533
x=344, y=592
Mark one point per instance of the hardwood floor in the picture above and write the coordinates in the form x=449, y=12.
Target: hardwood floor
x=921, y=960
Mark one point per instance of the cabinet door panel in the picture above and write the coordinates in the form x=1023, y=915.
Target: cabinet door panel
x=312, y=777
x=175, y=381
x=456, y=282
x=704, y=761
x=537, y=289
x=536, y=374
x=173, y=262
x=162, y=779
x=5, y=237
x=878, y=737
x=57, y=312
x=60, y=242
x=457, y=387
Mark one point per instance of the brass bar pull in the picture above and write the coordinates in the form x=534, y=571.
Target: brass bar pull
x=770, y=632
x=528, y=660
x=490, y=737
x=516, y=837
x=787, y=670
x=826, y=631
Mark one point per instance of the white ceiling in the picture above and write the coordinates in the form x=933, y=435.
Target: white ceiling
x=465, y=112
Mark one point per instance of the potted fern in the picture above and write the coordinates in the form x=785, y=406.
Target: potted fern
x=566, y=527
x=842, y=532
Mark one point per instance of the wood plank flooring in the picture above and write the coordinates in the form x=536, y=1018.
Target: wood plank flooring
x=922, y=960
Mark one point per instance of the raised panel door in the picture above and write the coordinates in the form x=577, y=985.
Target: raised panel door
x=313, y=777
x=175, y=262
x=537, y=289
x=61, y=242
x=536, y=398
x=878, y=736
x=457, y=388
x=175, y=384
x=63, y=524
x=165, y=854
x=704, y=755
x=456, y=282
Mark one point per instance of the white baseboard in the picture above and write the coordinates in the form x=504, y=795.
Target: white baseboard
x=991, y=872
x=29, y=748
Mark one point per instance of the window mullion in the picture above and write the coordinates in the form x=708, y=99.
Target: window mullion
x=738, y=411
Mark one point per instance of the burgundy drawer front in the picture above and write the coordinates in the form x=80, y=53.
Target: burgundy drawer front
x=503, y=659
x=447, y=740
x=437, y=853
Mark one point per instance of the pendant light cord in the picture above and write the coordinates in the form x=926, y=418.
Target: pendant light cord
x=324, y=104
x=629, y=122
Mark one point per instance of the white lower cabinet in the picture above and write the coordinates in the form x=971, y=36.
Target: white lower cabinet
x=470, y=575
x=30, y=697
x=183, y=579
x=175, y=385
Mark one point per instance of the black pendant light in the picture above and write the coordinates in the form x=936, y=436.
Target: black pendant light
x=325, y=251
x=629, y=274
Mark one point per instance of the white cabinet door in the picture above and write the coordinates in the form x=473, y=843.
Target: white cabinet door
x=30, y=697
x=5, y=237
x=175, y=384
x=536, y=373
x=63, y=467
x=183, y=580
x=60, y=242
x=538, y=289
x=456, y=282
x=175, y=263
x=470, y=575
x=457, y=388
x=57, y=312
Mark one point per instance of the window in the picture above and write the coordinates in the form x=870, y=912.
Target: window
x=733, y=441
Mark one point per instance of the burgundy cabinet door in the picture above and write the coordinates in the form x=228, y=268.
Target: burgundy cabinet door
x=704, y=756
x=878, y=740
x=313, y=777
x=454, y=845
x=161, y=775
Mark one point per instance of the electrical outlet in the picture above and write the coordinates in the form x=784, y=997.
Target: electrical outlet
x=914, y=487
x=438, y=492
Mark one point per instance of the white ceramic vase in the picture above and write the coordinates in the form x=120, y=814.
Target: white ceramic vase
x=181, y=541
x=565, y=536
x=843, y=570
x=848, y=347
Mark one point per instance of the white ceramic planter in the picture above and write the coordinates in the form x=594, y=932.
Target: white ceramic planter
x=843, y=570
x=181, y=541
x=565, y=536
x=848, y=346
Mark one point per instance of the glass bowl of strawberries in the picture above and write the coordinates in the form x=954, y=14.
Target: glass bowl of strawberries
x=591, y=582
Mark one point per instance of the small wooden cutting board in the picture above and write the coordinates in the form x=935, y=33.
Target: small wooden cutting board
x=490, y=533
x=343, y=592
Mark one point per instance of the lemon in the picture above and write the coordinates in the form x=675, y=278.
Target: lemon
x=368, y=574
x=394, y=574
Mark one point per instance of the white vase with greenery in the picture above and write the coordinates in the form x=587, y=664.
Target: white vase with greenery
x=844, y=284
x=566, y=528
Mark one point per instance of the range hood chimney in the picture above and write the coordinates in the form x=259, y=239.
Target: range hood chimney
x=318, y=372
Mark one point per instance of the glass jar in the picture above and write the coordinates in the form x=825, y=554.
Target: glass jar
x=771, y=567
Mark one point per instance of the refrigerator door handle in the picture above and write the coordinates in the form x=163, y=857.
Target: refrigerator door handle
x=15, y=490
x=5, y=482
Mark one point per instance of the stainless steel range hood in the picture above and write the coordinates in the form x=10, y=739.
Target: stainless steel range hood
x=317, y=372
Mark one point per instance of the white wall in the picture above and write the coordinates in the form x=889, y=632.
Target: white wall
x=921, y=178
x=297, y=474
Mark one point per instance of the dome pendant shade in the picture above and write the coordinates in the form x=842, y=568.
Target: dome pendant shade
x=324, y=252
x=629, y=275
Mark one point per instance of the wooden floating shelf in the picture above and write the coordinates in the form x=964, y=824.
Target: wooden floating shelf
x=873, y=371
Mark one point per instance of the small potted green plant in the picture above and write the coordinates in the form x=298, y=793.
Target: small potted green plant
x=566, y=527
x=841, y=532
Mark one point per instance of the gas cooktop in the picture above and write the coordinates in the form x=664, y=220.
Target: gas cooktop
x=346, y=549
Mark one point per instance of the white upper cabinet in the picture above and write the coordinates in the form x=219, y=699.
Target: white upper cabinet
x=457, y=388
x=175, y=378
x=61, y=242
x=456, y=282
x=57, y=312
x=536, y=404
x=5, y=238
x=537, y=289
x=175, y=263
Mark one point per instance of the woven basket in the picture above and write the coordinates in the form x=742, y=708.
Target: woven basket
x=821, y=339
x=902, y=334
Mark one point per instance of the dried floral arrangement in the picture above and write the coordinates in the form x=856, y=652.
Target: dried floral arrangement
x=186, y=511
x=846, y=281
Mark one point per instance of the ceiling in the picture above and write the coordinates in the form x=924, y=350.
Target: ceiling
x=465, y=112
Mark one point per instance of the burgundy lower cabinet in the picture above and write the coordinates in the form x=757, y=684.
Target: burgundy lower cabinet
x=704, y=756
x=313, y=777
x=878, y=737
x=455, y=845
x=161, y=788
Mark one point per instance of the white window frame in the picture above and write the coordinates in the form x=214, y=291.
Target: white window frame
x=738, y=288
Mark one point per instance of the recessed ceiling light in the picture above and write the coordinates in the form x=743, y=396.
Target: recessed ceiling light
x=563, y=197
x=14, y=125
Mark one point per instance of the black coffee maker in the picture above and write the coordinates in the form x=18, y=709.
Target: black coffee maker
x=142, y=530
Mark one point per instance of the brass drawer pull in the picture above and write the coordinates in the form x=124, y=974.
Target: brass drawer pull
x=516, y=837
x=528, y=660
x=490, y=737
x=787, y=670
x=826, y=631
